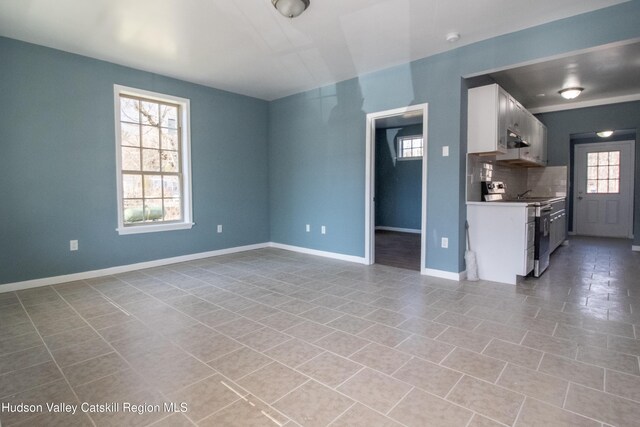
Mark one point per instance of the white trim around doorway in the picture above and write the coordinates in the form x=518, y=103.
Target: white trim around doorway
x=369, y=221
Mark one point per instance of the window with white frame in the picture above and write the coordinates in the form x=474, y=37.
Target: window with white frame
x=603, y=172
x=410, y=147
x=153, y=160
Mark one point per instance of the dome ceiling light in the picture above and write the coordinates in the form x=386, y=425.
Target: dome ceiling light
x=290, y=8
x=604, y=133
x=571, y=92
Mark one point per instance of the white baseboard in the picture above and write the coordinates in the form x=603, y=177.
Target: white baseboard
x=635, y=248
x=444, y=274
x=400, y=230
x=333, y=255
x=47, y=281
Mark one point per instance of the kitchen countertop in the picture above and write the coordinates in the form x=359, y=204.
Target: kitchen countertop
x=523, y=202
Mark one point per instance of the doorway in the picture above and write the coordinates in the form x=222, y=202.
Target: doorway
x=401, y=141
x=603, y=196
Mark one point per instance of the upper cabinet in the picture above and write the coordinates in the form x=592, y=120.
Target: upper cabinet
x=499, y=125
x=488, y=117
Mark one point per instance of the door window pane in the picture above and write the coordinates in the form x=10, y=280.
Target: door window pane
x=603, y=172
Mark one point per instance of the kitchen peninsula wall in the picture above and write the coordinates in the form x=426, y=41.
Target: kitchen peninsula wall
x=549, y=181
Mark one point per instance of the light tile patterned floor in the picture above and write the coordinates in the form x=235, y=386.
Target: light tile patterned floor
x=270, y=337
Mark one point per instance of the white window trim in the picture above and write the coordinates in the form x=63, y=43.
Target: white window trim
x=187, y=216
x=398, y=147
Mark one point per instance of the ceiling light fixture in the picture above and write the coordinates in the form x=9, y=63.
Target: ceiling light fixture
x=290, y=8
x=571, y=92
x=453, y=37
x=604, y=133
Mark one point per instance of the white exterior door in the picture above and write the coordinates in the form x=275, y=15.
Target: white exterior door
x=603, y=196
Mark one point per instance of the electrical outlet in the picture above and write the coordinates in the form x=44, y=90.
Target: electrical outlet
x=445, y=242
x=445, y=151
x=323, y=230
x=73, y=245
x=308, y=228
x=220, y=228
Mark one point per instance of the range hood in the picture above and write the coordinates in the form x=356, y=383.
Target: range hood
x=514, y=140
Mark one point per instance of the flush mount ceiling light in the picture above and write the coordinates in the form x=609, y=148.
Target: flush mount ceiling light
x=453, y=37
x=604, y=133
x=290, y=8
x=571, y=92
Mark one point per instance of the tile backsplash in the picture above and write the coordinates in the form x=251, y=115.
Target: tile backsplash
x=549, y=181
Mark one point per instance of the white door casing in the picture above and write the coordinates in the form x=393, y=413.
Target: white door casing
x=369, y=222
x=598, y=213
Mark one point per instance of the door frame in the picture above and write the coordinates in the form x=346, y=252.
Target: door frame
x=369, y=219
x=632, y=179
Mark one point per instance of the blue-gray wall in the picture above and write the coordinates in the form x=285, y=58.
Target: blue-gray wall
x=398, y=197
x=562, y=124
x=317, y=138
x=263, y=170
x=58, y=171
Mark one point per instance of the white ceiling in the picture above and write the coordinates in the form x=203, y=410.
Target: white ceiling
x=246, y=47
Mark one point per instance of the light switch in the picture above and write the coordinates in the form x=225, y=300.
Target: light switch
x=445, y=151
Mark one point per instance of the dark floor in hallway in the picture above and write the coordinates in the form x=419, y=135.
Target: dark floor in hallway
x=395, y=249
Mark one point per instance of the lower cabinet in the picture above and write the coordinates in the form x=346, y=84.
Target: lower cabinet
x=558, y=232
x=502, y=235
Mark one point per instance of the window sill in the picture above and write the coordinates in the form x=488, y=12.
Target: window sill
x=154, y=228
x=406, y=159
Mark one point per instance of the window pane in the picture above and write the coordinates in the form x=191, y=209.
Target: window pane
x=129, y=110
x=592, y=172
x=417, y=152
x=130, y=134
x=171, y=185
x=406, y=152
x=592, y=186
x=149, y=113
x=172, y=210
x=614, y=186
x=152, y=209
x=151, y=160
x=169, y=139
x=614, y=172
x=132, y=186
x=603, y=186
x=132, y=211
x=603, y=172
x=130, y=159
x=170, y=161
x=150, y=137
x=169, y=116
x=416, y=143
x=152, y=186
x=592, y=159
x=614, y=158
x=603, y=158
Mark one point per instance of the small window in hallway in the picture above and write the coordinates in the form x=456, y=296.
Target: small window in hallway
x=603, y=172
x=410, y=147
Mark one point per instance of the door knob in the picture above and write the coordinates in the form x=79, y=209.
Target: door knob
x=579, y=197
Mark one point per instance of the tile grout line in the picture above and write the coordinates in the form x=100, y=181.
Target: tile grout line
x=51, y=355
x=399, y=400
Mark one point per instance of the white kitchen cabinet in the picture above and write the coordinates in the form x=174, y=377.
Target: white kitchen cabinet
x=502, y=235
x=491, y=113
x=535, y=154
x=558, y=221
x=487, y=118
